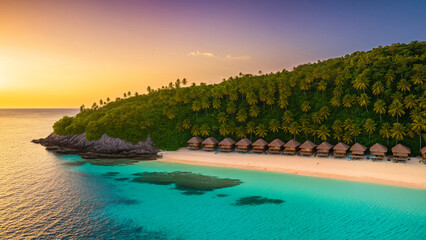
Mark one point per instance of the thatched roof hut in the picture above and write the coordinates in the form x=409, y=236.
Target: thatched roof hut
x=340, y=149
x=195, y=140
x=400, y=153
x=323, y=150
x=358, y=148
x=244, y=142
x=227, y=142
x=276, y=143
x=259, y=143
x=423, y=152
x=292, y=144
x=307, y=148
x=357, y=151
x=325, y=146
x=307, y=145
x=259, y=146
x=194, y=143
x=210, y=141
x=378, y=148
x=226, y=145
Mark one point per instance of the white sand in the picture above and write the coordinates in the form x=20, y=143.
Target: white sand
x=411, y=174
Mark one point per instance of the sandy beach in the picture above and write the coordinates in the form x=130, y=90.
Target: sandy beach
x=411, y=174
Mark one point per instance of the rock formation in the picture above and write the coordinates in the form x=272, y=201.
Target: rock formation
x=105, y=147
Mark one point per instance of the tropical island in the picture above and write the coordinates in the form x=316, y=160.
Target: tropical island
x=366, y=97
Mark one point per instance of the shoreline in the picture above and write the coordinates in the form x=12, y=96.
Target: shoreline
x=410, y=175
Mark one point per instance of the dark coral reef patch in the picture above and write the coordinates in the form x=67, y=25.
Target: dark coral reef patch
x=256, y=200
x=188, y=182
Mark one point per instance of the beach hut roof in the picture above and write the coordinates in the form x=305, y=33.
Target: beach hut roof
x=210, y=140
x=358, y=148
x=244, y=142
x=378, y=148
x=308, y=144
x=292, y=143
x=276, y=143
x=227, y=141
x=401, y=149
x=195, y=140
x=423, y=150
x=325, y=146
x=260, y=142
x=341, y=146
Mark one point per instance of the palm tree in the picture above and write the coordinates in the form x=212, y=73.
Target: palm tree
x=378, y=89
x=294, y=129
x=380, y=108
x=241, y=115
x=251, y=128
x=283, y=102
x=82, y=108
x=410, y=101
x=323, y=132
x=403, y=85
x=417, y=81
x=322, y=86
x=231, y=108
x=222, y=117
x=419, y=125
x=370, y=126
x=355, y=131
x=305, y=106
x=240, y=132
x=254, y=111
x=385, y=131
x=261, y=131
x=361, y=83
x=324, y=112
x=186, y=124
x=287, y=117
x=108, y=100
x=347, y=138
x=224, y=129
x=196, y=106
x=364, y=100
x=177, y=83
x=184, y=82
x=124, y=95
x=398, y=132
x=148, y=89
x=204, y=130
x=316, y=118
x=338, y=130
x=396, y=109
x=216, y=103
x=347, y=101
x=205, y=104
x=195, y=131
x=129, y=93
x=335, y=101
x=274, y=125
x=348, y=124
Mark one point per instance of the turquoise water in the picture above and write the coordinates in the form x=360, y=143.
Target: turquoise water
x=42, y=195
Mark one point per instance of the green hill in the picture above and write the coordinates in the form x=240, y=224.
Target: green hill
x=367, y=97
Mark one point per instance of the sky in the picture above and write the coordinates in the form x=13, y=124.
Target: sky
x=56, y=54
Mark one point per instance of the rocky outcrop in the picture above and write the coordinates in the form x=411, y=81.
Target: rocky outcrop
x=105, y=147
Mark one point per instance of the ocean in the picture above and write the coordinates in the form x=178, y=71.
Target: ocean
x=49, y=196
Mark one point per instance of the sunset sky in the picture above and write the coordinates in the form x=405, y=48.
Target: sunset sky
x=68, y=53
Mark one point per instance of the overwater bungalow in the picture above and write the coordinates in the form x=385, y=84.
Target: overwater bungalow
x=423, y=152
x=290, y=148
x=226, y=145
x=340, y=150
x=357, y=151
x=243, y=145
x=259, y=146
x=276, y=146
x=378, y=152
x=194, y=143
x=210, y=144
x=400, y=153
x=323, y=150
x=307, y=148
